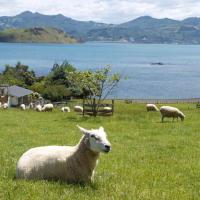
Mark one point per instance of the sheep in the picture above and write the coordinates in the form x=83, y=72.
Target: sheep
x=151, y=107
x=47, y=107
x=38, y=108
x=168, y=111
x=65, y=109
x=107, y=108
x=0, y=104
x=23, y=107
x=78, y=108
x=5, y=106
x=73, y=164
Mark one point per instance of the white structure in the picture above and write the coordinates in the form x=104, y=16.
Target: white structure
x=73, y=164
x=151, y=107
x=171, y=112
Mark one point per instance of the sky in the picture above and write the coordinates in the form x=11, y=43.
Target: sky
x=108, y=11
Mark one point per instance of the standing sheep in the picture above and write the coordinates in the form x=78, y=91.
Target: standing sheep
x=74, y=164
x=78, y=108
x=151, y=107
x=65, y=109
x=47, y=107
x=23, y=107
x=168, y=111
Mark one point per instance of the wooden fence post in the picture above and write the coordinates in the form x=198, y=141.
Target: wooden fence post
x=112, y=106
x=83, y=106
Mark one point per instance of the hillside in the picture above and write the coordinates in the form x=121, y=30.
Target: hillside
x=36, y=35
x=141, y=30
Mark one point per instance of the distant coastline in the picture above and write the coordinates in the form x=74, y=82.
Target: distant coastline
x=36, y=35
x=142, y=30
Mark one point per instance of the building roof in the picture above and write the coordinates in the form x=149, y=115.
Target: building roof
x=17, y=91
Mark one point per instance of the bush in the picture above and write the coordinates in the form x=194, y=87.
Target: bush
x=56, y=92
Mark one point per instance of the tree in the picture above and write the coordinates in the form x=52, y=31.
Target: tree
x=94, y=84
x=59, y=73
x=18, y=75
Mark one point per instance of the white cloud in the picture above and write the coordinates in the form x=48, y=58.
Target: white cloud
x=110, y=11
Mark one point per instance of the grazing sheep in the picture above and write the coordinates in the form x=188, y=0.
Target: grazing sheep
x=65, y=109
x=47, y=107
x=73, y=164
x=5, y=106
x=23, y=107
x=38, y=108
x=151, y=107
x=78, y=108
x=168, y=111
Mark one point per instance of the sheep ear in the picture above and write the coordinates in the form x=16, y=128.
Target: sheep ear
x=83, y=130
x=101, y=128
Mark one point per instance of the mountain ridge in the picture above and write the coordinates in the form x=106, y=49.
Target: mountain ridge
x=144, y=29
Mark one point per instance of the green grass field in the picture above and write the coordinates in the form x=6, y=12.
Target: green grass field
x=149, y=159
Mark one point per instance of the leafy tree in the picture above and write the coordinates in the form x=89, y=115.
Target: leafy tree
x=94, y=84
x=18, y=75
x=59, y=73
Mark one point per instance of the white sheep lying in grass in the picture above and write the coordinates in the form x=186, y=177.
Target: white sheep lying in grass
x=106, y=108
x=5, y=106
x=47, y=107
x=74, y=164
x=151, y=107
x=23, y=107
x=78, y=108
x=38, y=108
x=65, y=109
x=168, y=111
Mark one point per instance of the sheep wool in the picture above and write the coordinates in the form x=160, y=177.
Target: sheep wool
x=65, y=109
x=47, y=107
x=151, y=107
x=171, y=112
x=73, y=164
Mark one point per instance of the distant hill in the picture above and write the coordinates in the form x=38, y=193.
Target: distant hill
x=141, y=30
x=36, y=35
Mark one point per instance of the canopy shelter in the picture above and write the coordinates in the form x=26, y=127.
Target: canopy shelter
x=18, y=95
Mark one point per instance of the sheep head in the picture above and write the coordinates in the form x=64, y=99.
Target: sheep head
x=98, y=141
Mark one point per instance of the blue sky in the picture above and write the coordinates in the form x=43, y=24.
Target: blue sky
x=109, y=11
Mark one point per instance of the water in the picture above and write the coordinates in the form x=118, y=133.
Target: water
x=179, y=77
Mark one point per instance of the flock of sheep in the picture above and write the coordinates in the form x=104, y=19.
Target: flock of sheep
x=45, y=108
x=166, y=111
x=74, y=164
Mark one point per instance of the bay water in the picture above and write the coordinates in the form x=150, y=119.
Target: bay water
x=148, y=70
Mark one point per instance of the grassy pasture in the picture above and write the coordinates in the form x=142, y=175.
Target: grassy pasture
x=149, y=159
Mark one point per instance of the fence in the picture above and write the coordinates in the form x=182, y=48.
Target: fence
x=98, y=109
x=161, y=101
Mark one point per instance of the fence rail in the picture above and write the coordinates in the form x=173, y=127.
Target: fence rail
x=160, y=101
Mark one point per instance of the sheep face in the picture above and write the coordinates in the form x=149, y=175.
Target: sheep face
x=182, y=116
x=98, y=141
